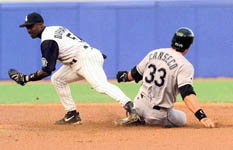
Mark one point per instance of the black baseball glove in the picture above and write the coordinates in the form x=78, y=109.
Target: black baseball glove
x=122, y=76
x=18, y=77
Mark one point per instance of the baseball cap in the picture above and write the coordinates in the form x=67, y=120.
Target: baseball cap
x=32, y=19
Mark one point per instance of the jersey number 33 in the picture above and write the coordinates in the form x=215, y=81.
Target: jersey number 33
x=151, y=77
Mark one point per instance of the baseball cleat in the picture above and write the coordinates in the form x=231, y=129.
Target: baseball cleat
x=132, y=116
x=132, y=119
x=71, y=117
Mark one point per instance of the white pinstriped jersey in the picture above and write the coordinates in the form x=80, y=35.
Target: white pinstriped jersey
x=88, y=65
x=164, y=71
x=69, y=44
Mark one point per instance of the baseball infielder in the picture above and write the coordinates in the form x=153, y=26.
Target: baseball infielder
x=165, y=73
x=80, y=61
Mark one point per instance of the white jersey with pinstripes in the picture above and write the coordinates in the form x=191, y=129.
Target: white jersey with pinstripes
x=164, y=71
x=69, y=44
x=80, y=61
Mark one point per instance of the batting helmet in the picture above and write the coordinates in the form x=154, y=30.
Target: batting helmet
x=182, y=39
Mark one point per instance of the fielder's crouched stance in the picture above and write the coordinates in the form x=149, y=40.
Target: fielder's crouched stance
x=165, y=73
x=80, y=61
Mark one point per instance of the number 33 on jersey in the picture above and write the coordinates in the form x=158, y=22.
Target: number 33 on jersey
x=162, y=70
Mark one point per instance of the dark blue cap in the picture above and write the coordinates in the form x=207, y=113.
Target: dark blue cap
x=32, y=19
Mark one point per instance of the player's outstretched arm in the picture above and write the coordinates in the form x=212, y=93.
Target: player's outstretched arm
x=22, y=79
x=123, y=76
x=194, y=106
x=132, y=75
x=37, y=75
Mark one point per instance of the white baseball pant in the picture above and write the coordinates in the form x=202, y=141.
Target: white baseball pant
x=89, y=66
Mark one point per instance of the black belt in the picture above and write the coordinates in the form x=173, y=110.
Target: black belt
x=104, y=56
x=73, y=61
x=157, y=107
x=85, y=46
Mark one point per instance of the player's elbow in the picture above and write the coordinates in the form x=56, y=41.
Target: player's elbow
x=186, y=90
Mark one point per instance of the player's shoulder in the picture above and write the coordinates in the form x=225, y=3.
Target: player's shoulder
x=49, y=32
x=181, y=60
x=159, y=49
x=185, y=61
x=52, y=29
x=185, y=64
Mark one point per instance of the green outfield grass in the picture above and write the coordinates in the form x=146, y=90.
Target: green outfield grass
x=217, y=91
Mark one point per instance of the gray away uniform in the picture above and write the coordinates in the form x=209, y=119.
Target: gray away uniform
x=163, y=71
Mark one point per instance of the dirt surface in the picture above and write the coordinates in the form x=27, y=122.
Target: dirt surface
x=24, y=127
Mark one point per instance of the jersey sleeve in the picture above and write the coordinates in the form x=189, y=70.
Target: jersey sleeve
x=185, y=75
x=49, y=50
x=142, y=65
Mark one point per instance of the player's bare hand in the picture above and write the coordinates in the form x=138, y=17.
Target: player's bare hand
x=208, y=123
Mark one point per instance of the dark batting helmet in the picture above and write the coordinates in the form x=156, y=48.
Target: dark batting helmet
x=182, y=39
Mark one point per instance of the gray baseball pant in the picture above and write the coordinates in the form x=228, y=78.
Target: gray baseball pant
x=168, y=117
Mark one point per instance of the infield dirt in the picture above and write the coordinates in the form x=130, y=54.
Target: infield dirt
x=31, y=127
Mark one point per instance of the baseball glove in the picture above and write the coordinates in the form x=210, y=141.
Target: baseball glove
x=18, y=77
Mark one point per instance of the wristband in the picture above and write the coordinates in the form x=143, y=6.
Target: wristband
x=33, y=77
x=200, y=114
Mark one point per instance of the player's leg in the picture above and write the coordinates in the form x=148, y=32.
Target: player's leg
x=147, y=114
x=61, y=80
x=175, y=118
x=99, y=82
x=164, y=117
x=92, y=71
x=156, y=115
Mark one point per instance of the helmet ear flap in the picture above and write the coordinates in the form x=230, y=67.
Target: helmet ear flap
x=182, y=39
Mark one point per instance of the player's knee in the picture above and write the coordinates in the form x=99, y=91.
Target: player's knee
x=176, y=118
x=183, y=119
x=101, y=88
x=56, y=80
x=53, y=79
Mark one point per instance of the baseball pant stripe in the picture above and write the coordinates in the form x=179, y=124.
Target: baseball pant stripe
x=60, y=81
x=93, y=72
